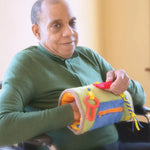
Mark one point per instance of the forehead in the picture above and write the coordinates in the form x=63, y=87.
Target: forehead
x=55, y=11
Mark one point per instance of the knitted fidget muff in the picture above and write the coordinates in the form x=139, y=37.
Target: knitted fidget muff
x=98, y=107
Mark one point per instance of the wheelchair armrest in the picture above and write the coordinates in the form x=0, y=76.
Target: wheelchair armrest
x=38, y=141
x=41, y=140
x=141, y=110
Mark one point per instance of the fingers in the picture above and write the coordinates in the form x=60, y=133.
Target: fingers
x=110, y=76
x=121, y=81
x=75, y=110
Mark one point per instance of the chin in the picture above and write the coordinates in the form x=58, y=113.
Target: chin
x=68, y=55
x=67, y=52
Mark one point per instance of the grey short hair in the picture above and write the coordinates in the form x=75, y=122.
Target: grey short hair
x=36, y=10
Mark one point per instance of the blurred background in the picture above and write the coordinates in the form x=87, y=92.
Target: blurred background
x=119, y=30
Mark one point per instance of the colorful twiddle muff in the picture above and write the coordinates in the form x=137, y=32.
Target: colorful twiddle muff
x=98, y=107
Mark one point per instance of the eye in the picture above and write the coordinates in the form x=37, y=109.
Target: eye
x=72, y=23
x=56, y=25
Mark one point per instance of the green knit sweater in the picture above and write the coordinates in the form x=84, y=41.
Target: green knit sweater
x=30, y=91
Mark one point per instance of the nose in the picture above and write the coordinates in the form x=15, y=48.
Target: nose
x=68, y=31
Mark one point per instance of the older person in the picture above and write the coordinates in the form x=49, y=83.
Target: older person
x=37, y=75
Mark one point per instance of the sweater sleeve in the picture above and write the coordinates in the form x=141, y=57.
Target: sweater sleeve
x=137, y=92
x=135, y=88
x=17, y=90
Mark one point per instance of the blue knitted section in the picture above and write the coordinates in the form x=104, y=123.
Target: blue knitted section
x=109, y=118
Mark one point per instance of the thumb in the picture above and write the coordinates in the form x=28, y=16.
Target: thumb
x=110, y=76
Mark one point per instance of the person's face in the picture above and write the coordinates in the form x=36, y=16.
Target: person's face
x=57, y=29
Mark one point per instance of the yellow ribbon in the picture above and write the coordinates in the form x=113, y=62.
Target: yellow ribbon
x=131, y=111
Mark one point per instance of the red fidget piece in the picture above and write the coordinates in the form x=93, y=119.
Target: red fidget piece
x=103, y=85
x=91, y=108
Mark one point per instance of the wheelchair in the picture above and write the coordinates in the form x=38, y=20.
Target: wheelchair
x=124, y=130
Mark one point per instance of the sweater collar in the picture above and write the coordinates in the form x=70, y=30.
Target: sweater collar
x=40, y=47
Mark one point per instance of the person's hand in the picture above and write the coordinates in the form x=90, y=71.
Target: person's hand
x=75, y=110
x=120, y=81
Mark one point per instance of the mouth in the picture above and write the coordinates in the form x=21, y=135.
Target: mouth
x=69, y=43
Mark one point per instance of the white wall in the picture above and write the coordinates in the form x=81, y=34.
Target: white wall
x=15, y=27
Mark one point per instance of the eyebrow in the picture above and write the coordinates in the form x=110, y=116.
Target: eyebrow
x=59, y=20
x=73, y=18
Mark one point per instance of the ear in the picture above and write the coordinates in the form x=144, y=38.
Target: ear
x=36, y=31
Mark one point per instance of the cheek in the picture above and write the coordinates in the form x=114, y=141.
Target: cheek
x=76, y=36
x=43, y=37
x=52, y=41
